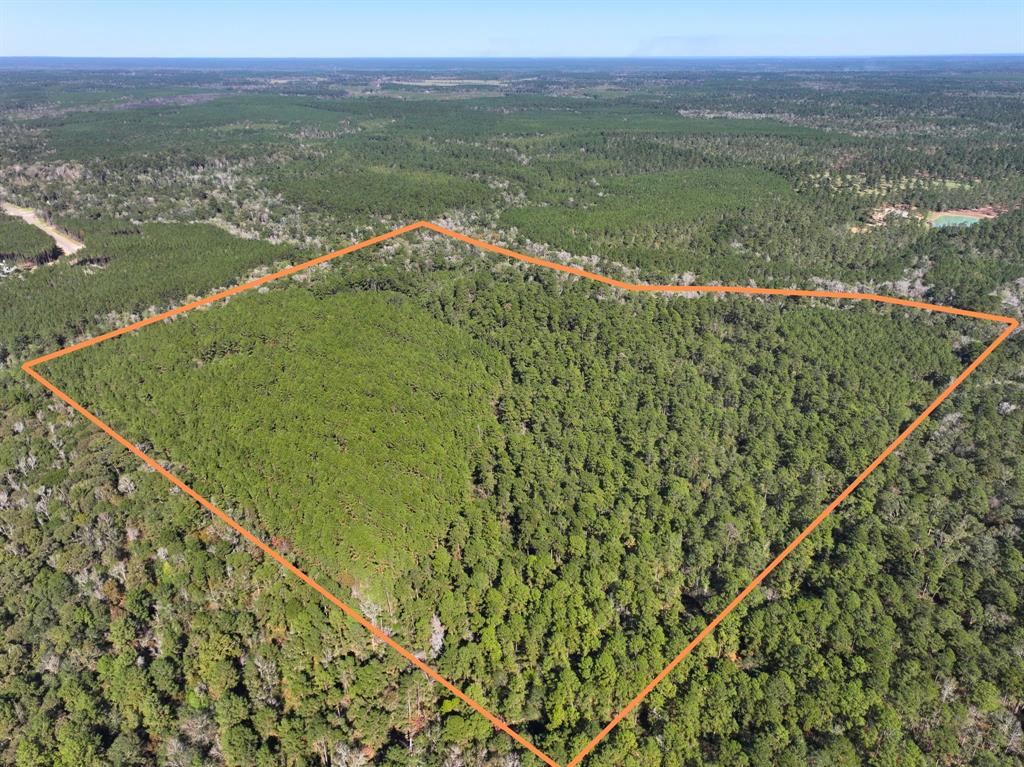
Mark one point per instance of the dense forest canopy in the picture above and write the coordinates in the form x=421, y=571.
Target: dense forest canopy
x=20, y=241
x=124, y=269
x=355, y=432
x=543, y=486
x=682, y=441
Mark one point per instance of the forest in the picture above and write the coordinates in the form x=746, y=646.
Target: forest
x=23, y=242
x=677, y=463
x=543, y=486
x=123, y=270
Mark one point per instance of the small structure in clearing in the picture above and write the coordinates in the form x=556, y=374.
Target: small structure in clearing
x=880, y=216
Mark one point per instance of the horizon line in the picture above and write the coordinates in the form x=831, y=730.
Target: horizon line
x=680, y=57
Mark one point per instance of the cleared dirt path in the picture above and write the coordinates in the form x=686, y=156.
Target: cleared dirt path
x=68, y=244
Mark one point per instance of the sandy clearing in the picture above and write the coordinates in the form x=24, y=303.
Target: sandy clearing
x=446, y=82
x=67, y=244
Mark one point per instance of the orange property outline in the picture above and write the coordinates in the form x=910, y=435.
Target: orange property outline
x=1010, y=322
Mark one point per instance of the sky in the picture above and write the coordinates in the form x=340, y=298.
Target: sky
x=527, y=28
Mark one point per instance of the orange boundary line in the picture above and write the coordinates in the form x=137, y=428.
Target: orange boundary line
x=380, y=634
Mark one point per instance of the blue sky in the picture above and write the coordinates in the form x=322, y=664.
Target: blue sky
x=525, y=28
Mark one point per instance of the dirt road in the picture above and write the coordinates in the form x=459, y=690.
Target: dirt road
x=68, y=244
